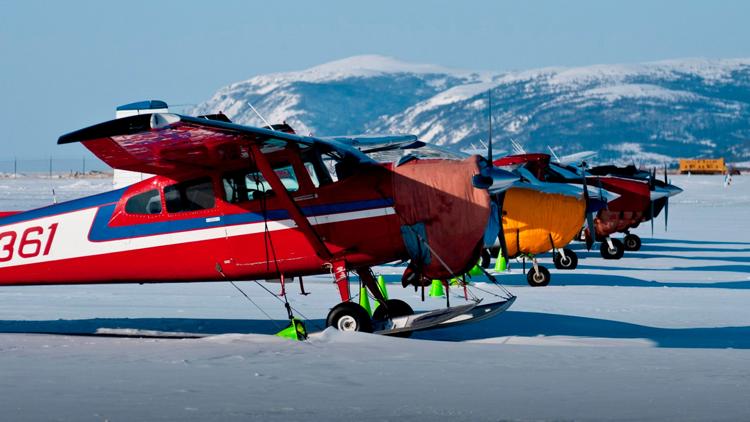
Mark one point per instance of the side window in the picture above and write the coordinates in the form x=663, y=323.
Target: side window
x=316, y=167
x=287, y=176
x=192, y=195
x=338, y=167
x=240, y=187
x=148, y=202
x=313, y=176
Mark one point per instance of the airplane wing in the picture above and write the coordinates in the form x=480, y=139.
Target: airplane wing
x=391, y=148
x=576, y=158
x=170, y=144
x=377, y=143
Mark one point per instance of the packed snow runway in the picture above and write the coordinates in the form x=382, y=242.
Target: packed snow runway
x=663, y=333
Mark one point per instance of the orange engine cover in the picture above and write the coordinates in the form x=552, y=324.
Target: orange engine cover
x=530, y=217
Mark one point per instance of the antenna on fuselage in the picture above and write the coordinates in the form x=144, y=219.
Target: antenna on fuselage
x=261, y=117
x=489, y=143
x=517, y=148
x=553, y=153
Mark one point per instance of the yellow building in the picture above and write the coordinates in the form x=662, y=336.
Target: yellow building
x=703, y=166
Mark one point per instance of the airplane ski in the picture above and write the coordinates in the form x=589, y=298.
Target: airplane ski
x=442, y=318
x=420, y=321
x=479, y=313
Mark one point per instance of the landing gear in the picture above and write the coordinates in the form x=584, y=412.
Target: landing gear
x=396, y=308
x=612, y=249
x=349, y=316
x=538, y=276
x=632, y=242
x=565, y=260
x=486, y=257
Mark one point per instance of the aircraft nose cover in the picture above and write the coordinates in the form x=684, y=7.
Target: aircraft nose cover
x=436, y=197
x=531, y=218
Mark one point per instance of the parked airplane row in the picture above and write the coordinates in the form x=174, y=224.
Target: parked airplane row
x=231, y=202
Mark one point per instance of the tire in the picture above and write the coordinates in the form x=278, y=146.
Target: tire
x=349, y=316
x=396, y=308
x=486, y=257
x=569, y=263
x=632, y=242
x=540, y=279
x=616, y=253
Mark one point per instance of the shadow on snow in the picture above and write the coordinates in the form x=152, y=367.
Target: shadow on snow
x=511, y=323
x=531, y=324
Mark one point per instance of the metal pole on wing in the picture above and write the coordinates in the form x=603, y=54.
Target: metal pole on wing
x=264, y=166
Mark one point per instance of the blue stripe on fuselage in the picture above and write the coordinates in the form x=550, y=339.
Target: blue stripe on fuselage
x=65, y=207
x=101, y=231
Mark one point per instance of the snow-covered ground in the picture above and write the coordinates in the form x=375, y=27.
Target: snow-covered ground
x=663, y=333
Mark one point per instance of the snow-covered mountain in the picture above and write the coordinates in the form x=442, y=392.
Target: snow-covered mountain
x=648, y=113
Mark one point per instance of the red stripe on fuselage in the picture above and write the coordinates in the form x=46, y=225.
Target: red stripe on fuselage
x=363, y=242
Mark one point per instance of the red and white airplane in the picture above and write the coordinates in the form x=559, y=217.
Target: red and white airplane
x=232, y=202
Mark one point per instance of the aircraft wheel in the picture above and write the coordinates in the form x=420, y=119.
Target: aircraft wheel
x=609, y=253
x=486, y=257
x=632, y=242
x=396, y=308
x=349, y=316
x=538, y=279
x=569, y=262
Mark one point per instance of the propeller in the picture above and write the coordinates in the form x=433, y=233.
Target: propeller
x=651, y=202
x=589, y=216
x=498, y=179
x=493, y=179
x=601, y=193
x=666, y=205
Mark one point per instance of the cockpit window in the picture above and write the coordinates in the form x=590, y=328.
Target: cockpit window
x=192, y=195
x=313, y=177
x=247, y=186
x=148, y=202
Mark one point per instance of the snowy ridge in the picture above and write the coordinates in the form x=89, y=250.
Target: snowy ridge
x=671, y=109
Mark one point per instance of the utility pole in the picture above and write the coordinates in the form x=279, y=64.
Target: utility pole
x=15, y=167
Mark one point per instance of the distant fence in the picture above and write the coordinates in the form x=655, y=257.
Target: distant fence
x=52, y=166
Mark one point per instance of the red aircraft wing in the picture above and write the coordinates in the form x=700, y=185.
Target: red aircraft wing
x=170, y=144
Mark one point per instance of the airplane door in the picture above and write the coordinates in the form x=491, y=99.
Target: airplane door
x=260, y=232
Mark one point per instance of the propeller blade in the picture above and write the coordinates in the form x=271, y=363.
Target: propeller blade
x=652, y=178
x=501, y=234
x=492, y=231
x=666, y=214
x=493, y=179
x=665, y=174
x=601, y=193
x=652, y=218
x=592, y=230
x=589, y=216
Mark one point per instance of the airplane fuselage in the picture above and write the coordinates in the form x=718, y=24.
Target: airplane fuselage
x=106, y=238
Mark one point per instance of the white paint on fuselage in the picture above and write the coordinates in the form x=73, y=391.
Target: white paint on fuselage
x=71, y=238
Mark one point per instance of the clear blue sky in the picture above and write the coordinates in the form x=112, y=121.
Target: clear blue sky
x=67, y=64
